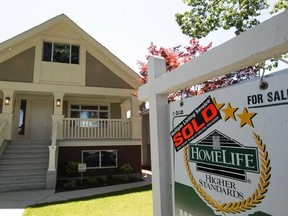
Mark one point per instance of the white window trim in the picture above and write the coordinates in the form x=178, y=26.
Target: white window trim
x=58, y=42
x=100, y=167
x=88, y=104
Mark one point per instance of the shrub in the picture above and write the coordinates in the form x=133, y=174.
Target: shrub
x=70, y=184
x=102, y=178
x=71, y=168
x=126, y=169
x=92, y=180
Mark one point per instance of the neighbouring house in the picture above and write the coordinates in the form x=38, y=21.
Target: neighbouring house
x=146, y=147
x=64, y=97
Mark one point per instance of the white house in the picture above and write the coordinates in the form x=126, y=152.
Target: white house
x=63, y=96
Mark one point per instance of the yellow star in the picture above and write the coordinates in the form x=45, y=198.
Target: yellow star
x=229, y=112
x=218, y=105
x=246, y=117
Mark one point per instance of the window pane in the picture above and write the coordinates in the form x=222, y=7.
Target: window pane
x=103, y=107
x=22, y=117
x=75, y=55
x=75, y=114
x=74, y=106
x=88, y=114
x=91, y=158
x=47, y=51
x=87, y=107
x=103, y=115
x=108, y=159
x=84, y=115
x=61, y=53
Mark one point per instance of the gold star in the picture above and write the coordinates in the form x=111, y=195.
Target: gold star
x=229, y=112
x=218, y=106
x=246, y=117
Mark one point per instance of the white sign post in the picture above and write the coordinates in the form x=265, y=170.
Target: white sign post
x=258, y=44
x=82, y=168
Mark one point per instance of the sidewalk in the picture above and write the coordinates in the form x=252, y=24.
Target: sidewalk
x=14, y=203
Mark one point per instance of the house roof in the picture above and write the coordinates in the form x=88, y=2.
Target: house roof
x=63, y=23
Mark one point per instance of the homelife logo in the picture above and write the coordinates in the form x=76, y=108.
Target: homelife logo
x=223, y=162
x=220, y=155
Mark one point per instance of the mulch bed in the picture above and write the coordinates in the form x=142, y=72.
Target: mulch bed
x=85, y=184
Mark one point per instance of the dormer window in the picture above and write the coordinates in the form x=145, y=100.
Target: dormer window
x=60, y=52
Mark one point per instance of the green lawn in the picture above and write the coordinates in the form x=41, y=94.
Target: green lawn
x=125, y=203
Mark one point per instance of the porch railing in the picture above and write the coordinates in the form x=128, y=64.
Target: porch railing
x=74, y=128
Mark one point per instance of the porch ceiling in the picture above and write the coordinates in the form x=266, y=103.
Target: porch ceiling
x=80, y=91
x=114, y=99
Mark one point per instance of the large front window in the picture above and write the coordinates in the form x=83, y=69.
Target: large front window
x=60, y=52
x=89, y=111
x=99, y=158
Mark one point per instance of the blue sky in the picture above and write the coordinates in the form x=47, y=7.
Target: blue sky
x=125, y=27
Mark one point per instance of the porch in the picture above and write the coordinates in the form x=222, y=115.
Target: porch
x=69, y=120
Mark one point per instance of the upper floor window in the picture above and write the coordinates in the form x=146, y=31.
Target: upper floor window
x=62, y=53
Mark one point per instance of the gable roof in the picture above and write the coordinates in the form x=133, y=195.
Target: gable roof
x=61, y=23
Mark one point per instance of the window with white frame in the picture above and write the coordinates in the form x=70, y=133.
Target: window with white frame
x=61, y=53
x=99, y=158
x=91, y=112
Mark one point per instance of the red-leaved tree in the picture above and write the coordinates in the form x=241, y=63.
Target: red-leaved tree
x=176, y=56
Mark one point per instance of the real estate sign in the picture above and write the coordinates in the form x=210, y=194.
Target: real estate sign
x=230, y=150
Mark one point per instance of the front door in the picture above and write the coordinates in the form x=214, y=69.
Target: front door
x=34, y=118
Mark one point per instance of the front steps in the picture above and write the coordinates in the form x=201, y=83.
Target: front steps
x=23, y=165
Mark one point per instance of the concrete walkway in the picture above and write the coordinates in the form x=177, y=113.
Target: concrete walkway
x=14, y=203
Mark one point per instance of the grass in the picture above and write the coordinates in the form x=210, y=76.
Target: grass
x=130, y=202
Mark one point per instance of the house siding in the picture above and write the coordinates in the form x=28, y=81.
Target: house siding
x=115, y=111
x=125, y=154
x=98, y=75
x=19, y=68
x=65, y=109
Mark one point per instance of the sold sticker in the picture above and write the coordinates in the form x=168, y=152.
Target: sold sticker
x=198, y=121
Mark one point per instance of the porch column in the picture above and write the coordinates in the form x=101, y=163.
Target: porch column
x=58, y=103
x=51, y=172
x=57, y=117
x=57, y=133
x=7, y=111
x=136, y=123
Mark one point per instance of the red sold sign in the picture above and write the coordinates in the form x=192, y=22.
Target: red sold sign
x=198, y=121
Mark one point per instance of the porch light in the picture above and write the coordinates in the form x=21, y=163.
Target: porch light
x=7, y=101
x=58, y=102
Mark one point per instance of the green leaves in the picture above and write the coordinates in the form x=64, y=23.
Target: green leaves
x=279, y=5
x=206, y=16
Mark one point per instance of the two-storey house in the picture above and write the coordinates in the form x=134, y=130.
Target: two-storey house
x=64, y=97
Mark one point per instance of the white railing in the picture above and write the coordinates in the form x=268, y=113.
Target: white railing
x=74, y=128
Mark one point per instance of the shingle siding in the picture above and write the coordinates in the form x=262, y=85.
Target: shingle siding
x=19, y=68
x=98, y=75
